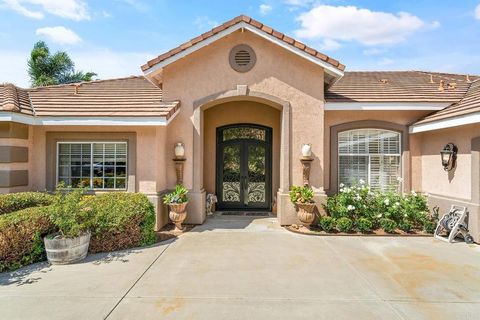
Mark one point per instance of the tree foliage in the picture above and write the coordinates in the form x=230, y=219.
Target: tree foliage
x=46, y=69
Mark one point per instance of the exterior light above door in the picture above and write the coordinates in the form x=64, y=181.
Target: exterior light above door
x=449, y=156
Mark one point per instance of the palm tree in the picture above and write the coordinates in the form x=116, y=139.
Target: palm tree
x=46, y=69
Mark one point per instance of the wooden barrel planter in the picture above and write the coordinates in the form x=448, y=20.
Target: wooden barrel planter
x=67, y=250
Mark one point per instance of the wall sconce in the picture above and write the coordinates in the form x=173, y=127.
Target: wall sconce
x=179, y=161
x=449, y=156
x=306, y=161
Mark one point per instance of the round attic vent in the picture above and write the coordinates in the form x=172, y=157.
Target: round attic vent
x=242, y=58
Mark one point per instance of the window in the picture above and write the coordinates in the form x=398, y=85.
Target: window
x=95, y=165
x=372, y=155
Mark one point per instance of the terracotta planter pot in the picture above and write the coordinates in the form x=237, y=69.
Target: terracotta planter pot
x=305, y=213
x=67, y=250
x=178, y=214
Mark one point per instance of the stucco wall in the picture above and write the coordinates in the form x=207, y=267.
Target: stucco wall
x=456, y=183
x=239, y=112
x=333, y=118
x=277, y=72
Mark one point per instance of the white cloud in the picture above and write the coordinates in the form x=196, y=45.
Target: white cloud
x=205, y=22
x=330, y=45
x=110, y=64
x=265, y=9
x=299, y=3
x=136, y=4
x=14, y=67
x=373, y=51
x=59, y=35
x=349, y=23
x=70, y=9
x=477, y=12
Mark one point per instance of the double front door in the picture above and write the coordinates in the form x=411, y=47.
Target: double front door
x=244, y=156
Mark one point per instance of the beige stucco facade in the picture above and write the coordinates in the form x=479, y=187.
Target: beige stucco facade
x=283, y=91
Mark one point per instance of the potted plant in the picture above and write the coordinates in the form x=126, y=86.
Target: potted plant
x=71, y=219
x=302, y=197
x=177, y=202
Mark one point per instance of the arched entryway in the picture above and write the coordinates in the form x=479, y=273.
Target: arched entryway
x=244, y=167
x=226, y=110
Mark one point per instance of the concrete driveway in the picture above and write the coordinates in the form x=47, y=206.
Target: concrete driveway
x=244, y=268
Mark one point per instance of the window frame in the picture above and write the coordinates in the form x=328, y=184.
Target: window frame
x=369, y=155
x=91, y=143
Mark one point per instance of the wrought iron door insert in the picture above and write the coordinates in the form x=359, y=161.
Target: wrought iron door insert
x=244, y=165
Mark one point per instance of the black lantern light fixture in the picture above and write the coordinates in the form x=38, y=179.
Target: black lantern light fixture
x=449, y=156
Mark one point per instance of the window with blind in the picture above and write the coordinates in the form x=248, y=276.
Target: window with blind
x=372, y=155
x=94, y=165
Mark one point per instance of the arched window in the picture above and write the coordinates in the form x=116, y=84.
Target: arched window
x=372, y=155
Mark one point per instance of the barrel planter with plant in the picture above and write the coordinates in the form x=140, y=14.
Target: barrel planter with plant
x=177, y=202
x=302, y=198
x=67, y=213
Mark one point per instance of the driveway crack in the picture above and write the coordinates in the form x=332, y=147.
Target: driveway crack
x=136, y=281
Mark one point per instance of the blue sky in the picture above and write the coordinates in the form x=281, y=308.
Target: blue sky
x=113, y=38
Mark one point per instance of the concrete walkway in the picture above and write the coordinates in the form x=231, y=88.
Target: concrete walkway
x=246, y=268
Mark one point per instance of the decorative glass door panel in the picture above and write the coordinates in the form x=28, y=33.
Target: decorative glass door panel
x=244, y=167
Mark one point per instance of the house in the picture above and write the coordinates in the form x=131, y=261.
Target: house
x=243, y=99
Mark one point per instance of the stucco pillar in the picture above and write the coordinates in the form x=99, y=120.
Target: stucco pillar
x=196, y=205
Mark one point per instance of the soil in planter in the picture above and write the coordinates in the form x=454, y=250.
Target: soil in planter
x=167, y=232
x=317, y=231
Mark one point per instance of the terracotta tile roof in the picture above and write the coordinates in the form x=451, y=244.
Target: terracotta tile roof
x=14, y=99
x=254, y=23
x=401, y=86
x=469, y=104
x=125, y=97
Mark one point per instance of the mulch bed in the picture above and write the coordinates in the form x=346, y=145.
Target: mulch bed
x=317, y=231
x=167, y=232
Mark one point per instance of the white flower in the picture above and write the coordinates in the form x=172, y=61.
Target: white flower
x=405, y=215
x=342, y=190
x=350, y=207
x=414, y=193
x=397, y=204
x=379, y=215
x=361, y=181
x=387, y=202
x=400, y=179
x=342, y=185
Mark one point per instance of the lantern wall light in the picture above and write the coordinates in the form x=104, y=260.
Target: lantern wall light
x=449, y=156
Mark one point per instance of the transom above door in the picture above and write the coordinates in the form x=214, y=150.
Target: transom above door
x=244, y=165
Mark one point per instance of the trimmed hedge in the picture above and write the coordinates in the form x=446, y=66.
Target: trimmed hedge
x=21, y=237
x=120, y=221
x=17, y=201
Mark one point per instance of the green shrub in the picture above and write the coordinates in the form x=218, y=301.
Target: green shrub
x=405, y=226
x=327, y=223
x=344, y=224
x=179, y=195
x=120, y=221
x=301, y=194
x=21, y=237
x=364, y=225
x=388, y=225
x=68, y=213
x=17, y=201
x=429, y=226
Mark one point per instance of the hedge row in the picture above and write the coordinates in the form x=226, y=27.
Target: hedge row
x=120, y=221
x=17, y=201
x=21, y=237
